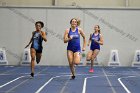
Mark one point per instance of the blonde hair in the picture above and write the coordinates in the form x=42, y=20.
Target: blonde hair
x=78, y=22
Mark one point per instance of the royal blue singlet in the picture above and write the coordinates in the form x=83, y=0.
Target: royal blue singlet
x=95, y=45
x=74, y=44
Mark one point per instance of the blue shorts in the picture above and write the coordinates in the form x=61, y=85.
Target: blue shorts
x=93, y=48
x=74, y=49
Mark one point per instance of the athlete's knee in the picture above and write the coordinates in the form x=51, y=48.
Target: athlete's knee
x=93, y=57
x=33, y=58
x=88, y=59
x=71, y=65
x=77, y=61
x=38, y=60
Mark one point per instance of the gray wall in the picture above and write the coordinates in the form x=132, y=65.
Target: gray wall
x=84, y=3
x=17, y=24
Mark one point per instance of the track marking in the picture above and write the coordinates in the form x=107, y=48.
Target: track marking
x=18, y=79
x=123, y=85
x=41, y=88
x=10, y=70
x=23, y=82
x=135, y=72
x=63, y=88
x=16, y=86
x=109, y=82
x=11, y=81
x=85, y=83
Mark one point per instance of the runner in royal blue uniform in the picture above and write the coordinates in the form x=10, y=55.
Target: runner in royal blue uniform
x=36, y=44
x=72, y=37
x=96, y=40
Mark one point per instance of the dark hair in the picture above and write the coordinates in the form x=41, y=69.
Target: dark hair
x=40, y=22
x=99, y=29
x=73, y=19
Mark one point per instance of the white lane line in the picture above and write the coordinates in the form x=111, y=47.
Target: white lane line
x=23, y=81
x=40, y=89
x=18, y=79
x=109, y=82
x=11, y=81
x=123, y=85
x=63, y=88
x=9, y=91
x=85, y=83
x=135, y=72
x=10, y=70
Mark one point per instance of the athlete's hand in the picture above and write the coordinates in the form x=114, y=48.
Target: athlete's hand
x=96, y=41
x=83, y=49
x=71, y=37
x=87, y=44
x=41, y=33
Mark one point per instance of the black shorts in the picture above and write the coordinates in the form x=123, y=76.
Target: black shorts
x=39, y=50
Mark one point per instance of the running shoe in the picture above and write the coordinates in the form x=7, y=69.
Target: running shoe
x=32, y=74
x=72, y=77
x=91, y=70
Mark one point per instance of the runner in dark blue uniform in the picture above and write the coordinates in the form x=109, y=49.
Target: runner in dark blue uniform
x=94, y=45
x=96, y=40
x=72, y=37
x=36, y=44
x=74, y=44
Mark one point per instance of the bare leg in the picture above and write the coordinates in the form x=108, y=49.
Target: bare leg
x=33, y=53
x=89, y=56
x=70, y=56
x=77, y=58
x=94, y=55
x=38, y=57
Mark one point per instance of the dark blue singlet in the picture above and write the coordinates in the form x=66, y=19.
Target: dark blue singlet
x=95, y=45
x=74, y=44
x=37, y=42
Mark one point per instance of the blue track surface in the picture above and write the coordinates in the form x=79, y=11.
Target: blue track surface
x=57, y=80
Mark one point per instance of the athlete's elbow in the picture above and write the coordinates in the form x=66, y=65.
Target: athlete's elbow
x=45, y=40
x=102, y=43
x=84, y=37
x=65, y=41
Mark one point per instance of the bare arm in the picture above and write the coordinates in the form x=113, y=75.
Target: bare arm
x=30, y=40
x=66, y=38
x=43, y=34
x=89, y=41
x=84, y=38
x=101, y=40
